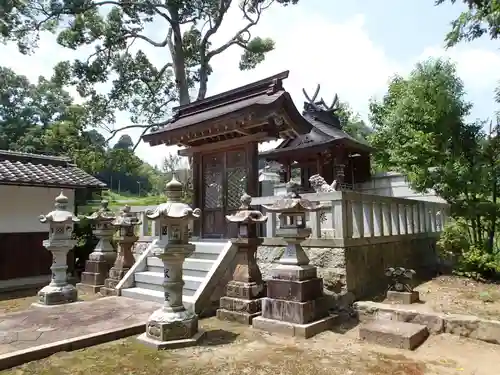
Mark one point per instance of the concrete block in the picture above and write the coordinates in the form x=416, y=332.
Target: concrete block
x=394, y=334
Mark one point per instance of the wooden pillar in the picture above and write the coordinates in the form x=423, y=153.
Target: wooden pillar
x=319, y=165
x=197, y=191
x=339, y=164
x=288, y=171
x=252, y=157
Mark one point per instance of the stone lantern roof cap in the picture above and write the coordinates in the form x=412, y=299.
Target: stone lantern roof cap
x=174, y=208
x=61, y=213
x=292, y=202
x=245, y=214
x=126, y=218
x=103, y=213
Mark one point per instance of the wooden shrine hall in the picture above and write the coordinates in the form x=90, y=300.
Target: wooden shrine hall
x=221, y=134
x=326, y=150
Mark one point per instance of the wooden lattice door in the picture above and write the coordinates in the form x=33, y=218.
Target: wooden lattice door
x=224, y=182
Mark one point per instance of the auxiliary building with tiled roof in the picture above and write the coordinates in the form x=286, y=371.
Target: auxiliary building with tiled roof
x=29, y=184
x=23, y=169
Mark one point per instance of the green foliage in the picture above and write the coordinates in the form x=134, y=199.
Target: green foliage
x=481, y=18
x=421, y=131
x=419, y=127
x=352, y=122
x=86, y=242
x=139, y=87
x=471, y=260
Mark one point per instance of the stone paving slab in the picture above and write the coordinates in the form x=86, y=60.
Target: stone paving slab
x=48, y=330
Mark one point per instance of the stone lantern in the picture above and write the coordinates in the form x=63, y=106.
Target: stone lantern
x=242, y=302
x=125, y=224
x=172, y=325
x=59, y=243
x=103, y=256
x=295, y=303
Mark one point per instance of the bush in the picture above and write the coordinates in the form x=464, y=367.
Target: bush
x=470, y=260
x=85, y=245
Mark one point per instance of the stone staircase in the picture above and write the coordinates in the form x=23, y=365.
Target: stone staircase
x=200, y=273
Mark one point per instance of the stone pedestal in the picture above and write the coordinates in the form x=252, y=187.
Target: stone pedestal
x=125, y=222
x=59, y=243
x=59, y=291
x=103, y=256
x=295, y=304
x=172, y=326
x=124, y=261
x=242, y=301
x=404, y=298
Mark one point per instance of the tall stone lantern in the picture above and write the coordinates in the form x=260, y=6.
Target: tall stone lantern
x=172, y=325
x=295, y=303
x=103, y=256
x=242, y=301
x=125, y=224
x=59, y=243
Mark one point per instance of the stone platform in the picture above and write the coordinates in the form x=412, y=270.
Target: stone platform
x=394, y=334
x=470, y=326
x=40, y=332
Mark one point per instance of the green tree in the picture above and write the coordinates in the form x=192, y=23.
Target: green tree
x=419, y=125
x=112, y=27
x=352, y=122
x=481, y=18
x=26, y=109
x=420, y=129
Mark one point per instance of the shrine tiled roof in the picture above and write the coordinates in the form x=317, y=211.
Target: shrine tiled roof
x=232, y=114
x=18, y=168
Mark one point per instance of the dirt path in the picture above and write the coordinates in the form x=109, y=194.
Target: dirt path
x=231, y=349
x=460, y=295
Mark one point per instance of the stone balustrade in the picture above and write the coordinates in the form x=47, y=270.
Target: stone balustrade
x=346, y=216
x=359, y=217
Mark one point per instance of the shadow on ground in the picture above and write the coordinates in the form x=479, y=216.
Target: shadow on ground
x=217, y=337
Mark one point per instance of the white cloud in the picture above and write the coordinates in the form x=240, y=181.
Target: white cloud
x=340, y=56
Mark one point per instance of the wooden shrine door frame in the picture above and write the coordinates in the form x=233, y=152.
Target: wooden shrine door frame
x=250, y=167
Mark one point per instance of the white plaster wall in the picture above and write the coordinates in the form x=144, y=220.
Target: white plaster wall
x=388, y=184
x=20, y=207
x=392, y=184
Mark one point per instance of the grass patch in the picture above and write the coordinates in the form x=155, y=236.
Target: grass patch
x=22, y=300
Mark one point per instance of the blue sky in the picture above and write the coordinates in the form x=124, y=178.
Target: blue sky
x=350, y=47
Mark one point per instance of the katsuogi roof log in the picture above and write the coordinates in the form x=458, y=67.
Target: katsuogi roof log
x=262, y=110
x=326, y=131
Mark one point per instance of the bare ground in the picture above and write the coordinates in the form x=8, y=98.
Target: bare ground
x=459, y=295
x=233, y=349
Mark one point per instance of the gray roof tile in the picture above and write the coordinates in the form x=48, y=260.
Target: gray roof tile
x=20, y=168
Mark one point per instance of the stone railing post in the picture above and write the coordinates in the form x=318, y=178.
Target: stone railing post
x=294, y=301
x=61, y=223
x=242, y=301
x=103, y=256
x=125, y=224
x=172, y=325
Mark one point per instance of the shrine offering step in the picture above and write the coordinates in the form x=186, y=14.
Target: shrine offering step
x=394, y=334
x=197, y=269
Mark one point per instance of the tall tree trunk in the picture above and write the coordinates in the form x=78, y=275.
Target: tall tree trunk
x=177, y=53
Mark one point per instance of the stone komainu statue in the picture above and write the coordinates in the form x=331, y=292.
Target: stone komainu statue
x=319, y=184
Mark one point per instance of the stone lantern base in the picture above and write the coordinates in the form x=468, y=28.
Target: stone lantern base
x=295, y=304
x=242, y=302
x=171, y=330
x=57, y=295
x=115, y=276
x=96, y=271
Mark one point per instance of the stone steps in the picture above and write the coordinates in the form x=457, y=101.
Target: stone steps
x=196, y=270
x=394, y=334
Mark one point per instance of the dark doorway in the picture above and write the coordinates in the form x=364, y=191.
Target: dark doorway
x=224, y=182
